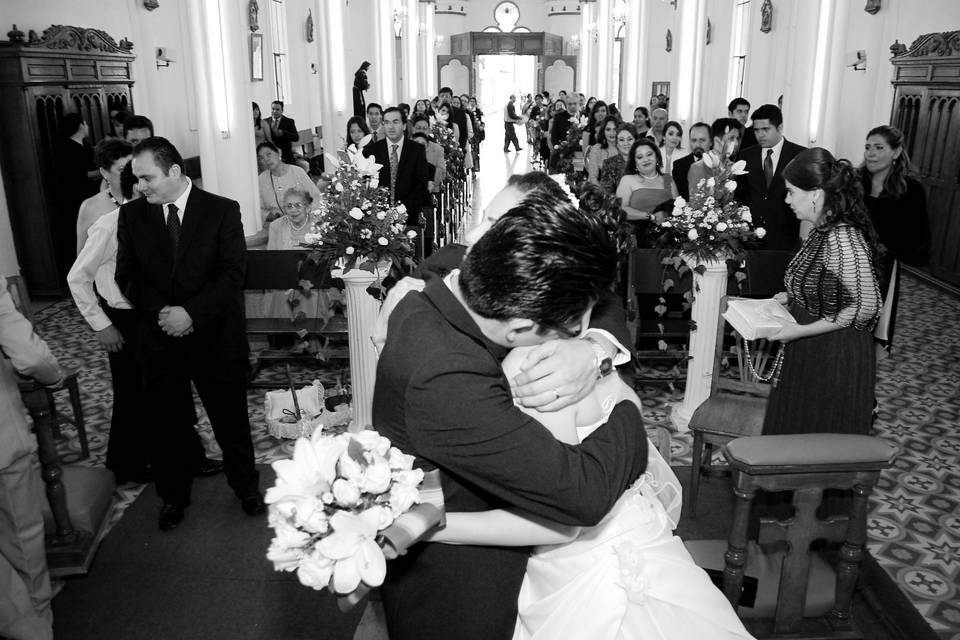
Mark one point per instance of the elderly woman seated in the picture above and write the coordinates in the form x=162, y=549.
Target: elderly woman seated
x=277, y=178
x=286, y=233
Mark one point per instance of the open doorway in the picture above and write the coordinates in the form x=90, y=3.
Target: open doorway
x=500, y=75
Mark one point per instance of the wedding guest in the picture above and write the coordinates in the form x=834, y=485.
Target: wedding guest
x=276, y=178
x=739, y=109
x=644, y=185
x=671, y=147
x=826, y=384
x=444, y=119
x=117, y=118
x=658, y=119
x=137, y=128
x=479, y=130
x=700, y=141
x=613, y=167
x=457, y=116
x=726, y=134
x=510, y=120
x=357, y=130
x=560, y=127
x=78, y=178
x=110, y=155
x=261, y=132
x=594, y=124
x=641, y=121
x=897, y=207
x=602, y=150
x=283, y=131
x=588, y=107
x=435, y=155
x=375, y=120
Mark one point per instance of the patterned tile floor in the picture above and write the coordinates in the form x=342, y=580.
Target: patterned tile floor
x=914, y=522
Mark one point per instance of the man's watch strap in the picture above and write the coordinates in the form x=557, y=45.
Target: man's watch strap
x=604, y=361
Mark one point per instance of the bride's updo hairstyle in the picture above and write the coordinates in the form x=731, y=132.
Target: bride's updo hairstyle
x=816, y=168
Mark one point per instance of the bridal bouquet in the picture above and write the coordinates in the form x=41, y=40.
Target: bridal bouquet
x=712, y=225
x=354, y=223
x=342, y=506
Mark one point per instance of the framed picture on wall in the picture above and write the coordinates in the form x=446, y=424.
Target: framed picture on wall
x=256, y=56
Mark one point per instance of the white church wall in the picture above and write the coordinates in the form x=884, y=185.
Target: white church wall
x=716, y=63
x=659, y=64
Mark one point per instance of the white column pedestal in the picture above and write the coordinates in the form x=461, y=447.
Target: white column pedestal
x=362, y=311
x=709, y=289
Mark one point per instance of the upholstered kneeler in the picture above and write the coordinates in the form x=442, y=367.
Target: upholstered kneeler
x=89, y=494
x=805, y=464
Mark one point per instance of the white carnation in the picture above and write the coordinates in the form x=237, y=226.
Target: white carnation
x=760, y=232
x=692, y=234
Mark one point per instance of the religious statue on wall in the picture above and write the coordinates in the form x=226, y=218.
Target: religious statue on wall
x=309, y=25
x=766, y=16
x=669, y=40
x=360, y=84
x=709, y=31
x=873, y=6
x=253, y=11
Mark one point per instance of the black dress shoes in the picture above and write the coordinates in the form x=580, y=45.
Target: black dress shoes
x=209, y=468
x=253, y=505
x=171, y=515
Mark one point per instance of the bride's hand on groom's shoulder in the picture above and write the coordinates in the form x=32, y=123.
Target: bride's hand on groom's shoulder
x=556, y=374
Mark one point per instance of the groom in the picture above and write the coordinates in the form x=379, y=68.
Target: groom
x=441, y=395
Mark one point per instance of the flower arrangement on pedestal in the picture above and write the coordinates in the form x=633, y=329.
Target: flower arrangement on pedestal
x=712, y=225
x=452, y=153
x=333, y=505
x=562, y=158
x=354, y=225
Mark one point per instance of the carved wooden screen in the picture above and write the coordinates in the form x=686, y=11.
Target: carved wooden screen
x=926, y=107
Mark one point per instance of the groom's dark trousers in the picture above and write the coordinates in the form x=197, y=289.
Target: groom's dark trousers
x=441, y=395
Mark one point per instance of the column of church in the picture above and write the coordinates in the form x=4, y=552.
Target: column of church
x=427, y=53
x=222, y=84
x=336, y=74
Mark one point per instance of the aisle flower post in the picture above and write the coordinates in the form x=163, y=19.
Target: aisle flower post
x=706, y=231
x=358, y=235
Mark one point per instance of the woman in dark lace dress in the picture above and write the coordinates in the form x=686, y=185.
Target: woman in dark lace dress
x=829, y=362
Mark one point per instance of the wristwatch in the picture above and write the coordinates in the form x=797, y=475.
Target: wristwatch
x=604, y=362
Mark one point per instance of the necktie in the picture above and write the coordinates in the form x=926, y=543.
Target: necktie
x=394, y=161
x=768, y=167
x=173, y=227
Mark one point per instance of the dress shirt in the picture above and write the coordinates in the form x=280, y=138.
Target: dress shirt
x=97, y=263
x=181, y=203
x=777, y=148
x=399, y=144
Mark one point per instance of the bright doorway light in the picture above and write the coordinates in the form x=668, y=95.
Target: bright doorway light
x=502, y=75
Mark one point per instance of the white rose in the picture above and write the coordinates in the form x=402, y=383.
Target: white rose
x=721, y=226
x=692, y=234
x=381, y=515
x=711, y=183
x=745, y=215
x=382, y=241
x=356, y=214
x=373, y=441
x=403, y=497
x=349, y=251
x=400, y=208
x=345, y=492
x=338, y=187
x=349, y=468
x=410, y=478
x=376, y=478
x=411, y=234
x=760, y=232
x=679, y=203
x=665, y=224
x=730, y=185
x=399, y=460
x=381, y=215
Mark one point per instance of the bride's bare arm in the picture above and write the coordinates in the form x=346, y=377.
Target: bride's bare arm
x=502, y=528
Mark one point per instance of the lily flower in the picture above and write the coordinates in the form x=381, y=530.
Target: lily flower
x=353, y=547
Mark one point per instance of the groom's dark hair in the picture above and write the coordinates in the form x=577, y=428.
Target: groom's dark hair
x=542, y=261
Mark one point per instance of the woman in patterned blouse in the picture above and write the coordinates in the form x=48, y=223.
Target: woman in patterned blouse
x=829, y=364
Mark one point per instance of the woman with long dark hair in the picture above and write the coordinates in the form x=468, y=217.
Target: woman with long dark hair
x=357, y=130
x=591, y=134
x=828, y=360
x=605, y=148
x=261, y=132
x=897, y=206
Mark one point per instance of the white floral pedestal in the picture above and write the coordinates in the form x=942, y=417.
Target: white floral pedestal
x=362, y=311
x=709, y=289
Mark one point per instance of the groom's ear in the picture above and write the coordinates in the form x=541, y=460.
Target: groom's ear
x=519, y=331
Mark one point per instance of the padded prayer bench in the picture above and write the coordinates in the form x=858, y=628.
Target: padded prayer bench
x=799, y=594
x=280, y=270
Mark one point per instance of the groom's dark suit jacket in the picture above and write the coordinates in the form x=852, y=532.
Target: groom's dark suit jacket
x=766, y=203
x=412, y=174
x=441, y=395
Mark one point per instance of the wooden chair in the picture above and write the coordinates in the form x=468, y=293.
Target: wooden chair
x=799, y=593
x=21, y=300
x=735, y=408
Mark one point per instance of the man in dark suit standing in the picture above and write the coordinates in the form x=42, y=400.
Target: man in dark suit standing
x=739, y=109
x=283, y=130
x=403, y=165
x=441, y=395
x=181, y=261
x=700, y=141
x=457, y=115
x=510, y=119
x=763, y=188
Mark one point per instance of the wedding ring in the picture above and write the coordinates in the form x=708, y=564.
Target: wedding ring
x=557, y=394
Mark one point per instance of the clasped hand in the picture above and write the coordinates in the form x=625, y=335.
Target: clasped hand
x=175, y=321
x=556, y=374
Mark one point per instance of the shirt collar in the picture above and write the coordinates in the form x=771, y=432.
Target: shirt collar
x=181, y=202
x=399, y=144
x=777, y=148
x=453, y=311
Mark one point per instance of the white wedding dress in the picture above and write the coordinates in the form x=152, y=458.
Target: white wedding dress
x=627, y=578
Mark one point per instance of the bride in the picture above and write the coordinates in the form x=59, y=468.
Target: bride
x=628, y=577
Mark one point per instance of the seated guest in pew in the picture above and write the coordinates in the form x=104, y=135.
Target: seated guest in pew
x=110, y=155
x=725, y=134
x=602, y=150
x=25, y=592
x=700, y=140
x=276, y=178
x=644, y=186
x=286, y=233
x=111, y=317
x=612, y=168
x=435, y=156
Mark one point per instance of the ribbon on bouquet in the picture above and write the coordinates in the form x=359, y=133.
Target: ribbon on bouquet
x=409, y=528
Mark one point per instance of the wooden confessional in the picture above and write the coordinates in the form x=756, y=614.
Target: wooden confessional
x=926, y=107
x=67, y=69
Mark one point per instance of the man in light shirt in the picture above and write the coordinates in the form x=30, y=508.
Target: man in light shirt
x=111, y=317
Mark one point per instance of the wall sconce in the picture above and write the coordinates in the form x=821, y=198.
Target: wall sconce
x=164, y=57
x=619, y=18
x=422, y=28
x=398, y=15
x=859, y=62
x=438, y=41
x=672, y=3
x=574, y=44
x=592, y=31
x=313, y=68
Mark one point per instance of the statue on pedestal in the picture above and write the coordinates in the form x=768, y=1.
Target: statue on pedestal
x=360, y=84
